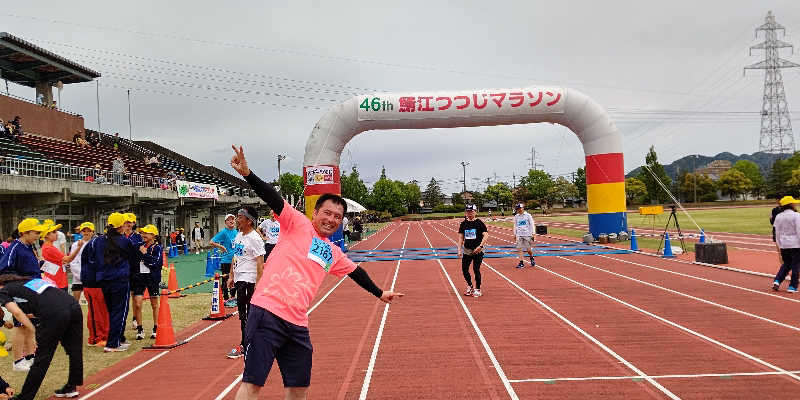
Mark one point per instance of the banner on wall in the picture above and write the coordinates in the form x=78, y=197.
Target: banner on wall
x=197, y=190
x=491, y=103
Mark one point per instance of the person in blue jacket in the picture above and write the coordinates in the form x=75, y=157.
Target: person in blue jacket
x=21, y=259
x=147, y=276
x=109, y=257
x=133, y=235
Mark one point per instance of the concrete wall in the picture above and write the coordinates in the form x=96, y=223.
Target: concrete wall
x=40, y=120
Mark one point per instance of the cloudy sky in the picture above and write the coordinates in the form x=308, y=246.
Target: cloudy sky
x=204, y=75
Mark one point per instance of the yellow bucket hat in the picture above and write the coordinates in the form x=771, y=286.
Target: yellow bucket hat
x=86, y=225
x=151, y=229
x=48, y=229
x=30, y=224
x=788, y=200
x=130, y=217
x=116, y=219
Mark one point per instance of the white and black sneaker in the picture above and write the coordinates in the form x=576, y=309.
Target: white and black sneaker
x=469, y=291
x=153, y=335
x=476, y=293
x=139, y=332
x=67, y=391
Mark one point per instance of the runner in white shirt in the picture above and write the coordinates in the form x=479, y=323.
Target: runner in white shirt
x=523, y=230
x=270, y=230
x=87, y=230
x=248, y=263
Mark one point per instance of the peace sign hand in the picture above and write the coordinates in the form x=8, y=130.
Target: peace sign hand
x=238, y=161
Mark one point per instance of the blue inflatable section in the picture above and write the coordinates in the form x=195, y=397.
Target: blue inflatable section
x=608, y=223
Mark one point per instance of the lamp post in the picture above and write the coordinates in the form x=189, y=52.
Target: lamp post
x=280, y=157
x=464, y=170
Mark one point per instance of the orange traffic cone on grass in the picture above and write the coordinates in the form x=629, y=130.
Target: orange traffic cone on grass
x=146, y=295
x=172, y=284
x=165, y=335
x=217, y=309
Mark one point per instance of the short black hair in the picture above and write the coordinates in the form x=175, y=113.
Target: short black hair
x=335, y=198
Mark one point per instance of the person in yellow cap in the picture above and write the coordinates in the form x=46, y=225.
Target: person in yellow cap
x=54, y=260
x=20, y=259
x=86, y=232
x=136, y=239
x=787, y=236
x=107, y=263
x=147, y=276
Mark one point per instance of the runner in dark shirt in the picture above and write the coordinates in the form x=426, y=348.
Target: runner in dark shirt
x=471, y=236
x=60, y=320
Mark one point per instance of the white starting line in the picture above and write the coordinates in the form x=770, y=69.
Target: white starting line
x=637, y=377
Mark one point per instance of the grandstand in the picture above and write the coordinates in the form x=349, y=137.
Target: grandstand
x=44, y=174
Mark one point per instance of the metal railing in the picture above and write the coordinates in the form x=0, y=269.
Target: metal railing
x=49, y=170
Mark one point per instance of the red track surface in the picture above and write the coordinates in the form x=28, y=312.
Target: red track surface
x=617, y=326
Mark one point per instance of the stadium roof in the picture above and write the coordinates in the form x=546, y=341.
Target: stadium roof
x=25, y=63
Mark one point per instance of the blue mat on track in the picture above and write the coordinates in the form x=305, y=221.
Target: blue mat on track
x=426, y=253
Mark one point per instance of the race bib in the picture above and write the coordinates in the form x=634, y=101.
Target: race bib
x=50, y=268
x=38, y=285
x=143, y=269
x=470, y=234
x=522, y=222
x=321, y=253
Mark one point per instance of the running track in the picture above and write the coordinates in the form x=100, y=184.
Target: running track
x=619, y=326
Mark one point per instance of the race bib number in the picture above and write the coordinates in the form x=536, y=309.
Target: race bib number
x=522, y=222
x=470, y=234
x=321, y=253
x=143, y=269
x=50, y=268
x=38, y=285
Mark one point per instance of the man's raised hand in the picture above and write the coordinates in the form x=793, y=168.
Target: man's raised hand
x=238, y=161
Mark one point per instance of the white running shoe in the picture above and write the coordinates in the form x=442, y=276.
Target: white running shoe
x=476, y=293
x=469, y=291
x=22, y=365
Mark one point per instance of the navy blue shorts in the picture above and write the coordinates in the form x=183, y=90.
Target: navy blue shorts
x=140, y=281
x=270, y=338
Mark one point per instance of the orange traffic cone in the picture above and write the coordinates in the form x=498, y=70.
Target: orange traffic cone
x=217, y=309
x=172, y=284
x=146, y=294
x=165, y=335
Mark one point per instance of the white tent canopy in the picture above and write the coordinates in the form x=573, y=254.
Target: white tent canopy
x=354, y=207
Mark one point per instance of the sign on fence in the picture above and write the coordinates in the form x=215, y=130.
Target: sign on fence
x=197, y=190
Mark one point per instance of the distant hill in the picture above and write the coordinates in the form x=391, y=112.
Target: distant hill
x=763, y=160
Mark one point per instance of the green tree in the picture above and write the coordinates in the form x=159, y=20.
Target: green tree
x=499, y=192
x=733, y=183
x=538, y=184
x=779, y=176
x=291, y=185
x=562, y=190
x=635, y=191
x=388, y=195
x=412, y=195
x=706, y=189
x=580, y=182
x=753, y=173
x=432, y=196
x=654, y=191
x=354, y=188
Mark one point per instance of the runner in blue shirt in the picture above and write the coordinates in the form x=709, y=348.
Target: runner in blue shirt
x=224, y=242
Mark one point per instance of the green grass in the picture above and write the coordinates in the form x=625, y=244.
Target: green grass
x=740, y=220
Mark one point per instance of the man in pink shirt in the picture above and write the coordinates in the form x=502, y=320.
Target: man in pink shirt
x=277, y=324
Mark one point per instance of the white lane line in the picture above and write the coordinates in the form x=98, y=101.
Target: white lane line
x=703, y=279
x=239, y=378
x=676, y=325
x=119, y=378
x=585, y=334
x=229, y=388
x=374, y=355
x=709, y=302
x=512, y=394
x=676, y=376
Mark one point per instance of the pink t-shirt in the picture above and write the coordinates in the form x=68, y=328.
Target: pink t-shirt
x=296, y=267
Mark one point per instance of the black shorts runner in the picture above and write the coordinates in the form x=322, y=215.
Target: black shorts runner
x=140, y=282
x=271, y=338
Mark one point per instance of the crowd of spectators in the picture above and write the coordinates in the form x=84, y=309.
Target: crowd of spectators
x=11, y=129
